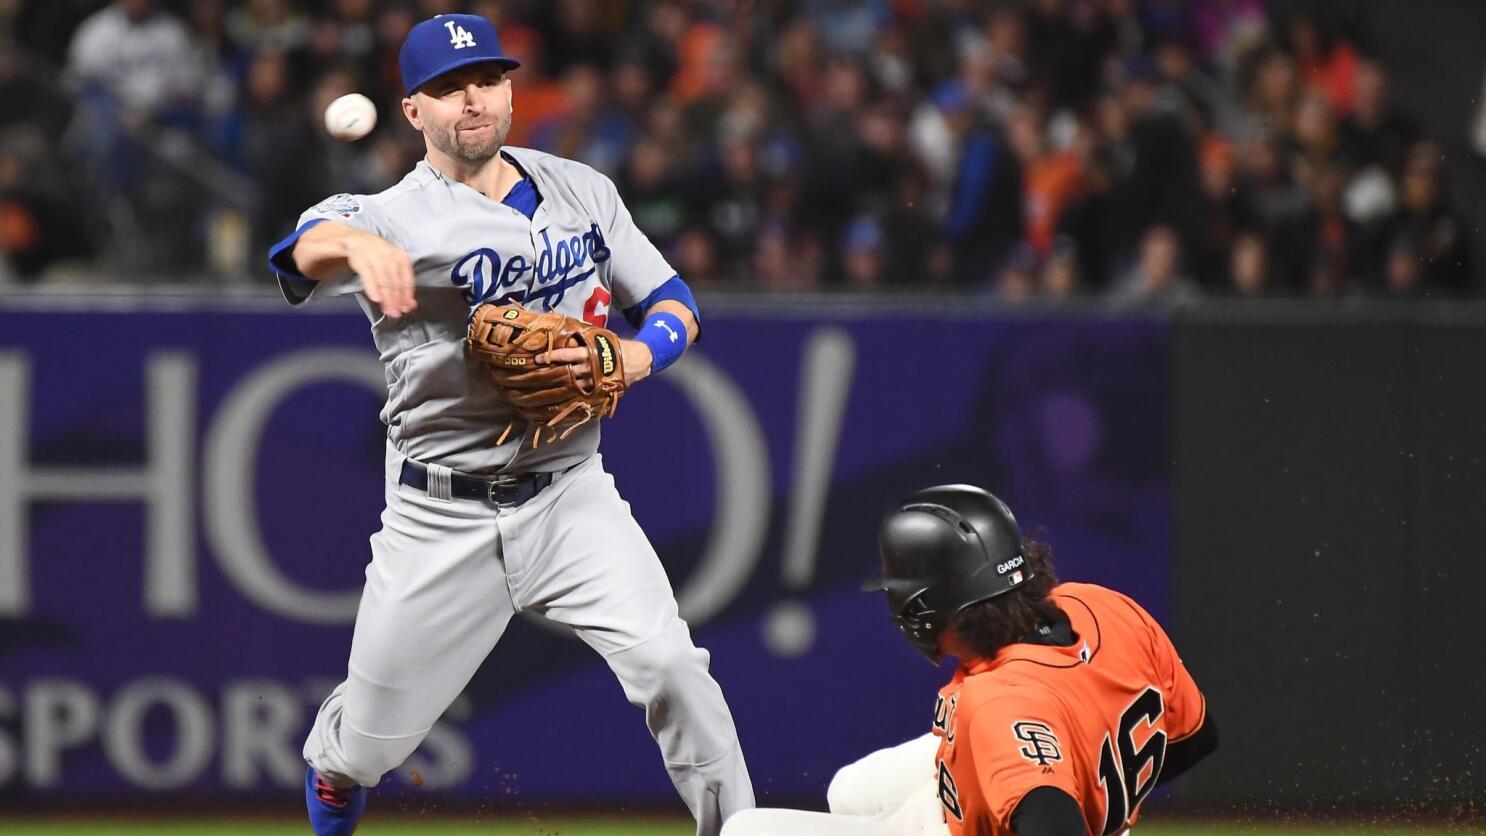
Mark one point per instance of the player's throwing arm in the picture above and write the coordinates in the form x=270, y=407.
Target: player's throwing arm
x=385, y=270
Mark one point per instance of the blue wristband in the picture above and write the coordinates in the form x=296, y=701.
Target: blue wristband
x=666, y=337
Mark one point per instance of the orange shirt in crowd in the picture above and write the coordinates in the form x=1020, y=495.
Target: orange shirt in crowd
x=1048, y=184
x=538, y=97
x=694, y=57
x=1092, y=719
x=1335, y=75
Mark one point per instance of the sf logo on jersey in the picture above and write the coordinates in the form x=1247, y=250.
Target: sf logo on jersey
x=459, y=36
x=1042, y=744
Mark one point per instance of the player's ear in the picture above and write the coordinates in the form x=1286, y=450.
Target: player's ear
x=410, y=110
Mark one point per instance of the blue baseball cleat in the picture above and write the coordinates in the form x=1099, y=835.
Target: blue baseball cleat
x=333, y=811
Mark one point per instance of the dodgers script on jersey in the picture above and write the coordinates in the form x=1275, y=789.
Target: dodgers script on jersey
x=580, y=254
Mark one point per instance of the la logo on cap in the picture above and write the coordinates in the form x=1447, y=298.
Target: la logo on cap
x=425, y=53
x=459, y=36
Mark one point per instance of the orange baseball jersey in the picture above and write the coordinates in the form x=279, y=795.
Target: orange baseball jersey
x=1092, y=719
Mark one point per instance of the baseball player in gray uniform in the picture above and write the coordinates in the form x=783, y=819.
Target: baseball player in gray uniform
x=474, y=530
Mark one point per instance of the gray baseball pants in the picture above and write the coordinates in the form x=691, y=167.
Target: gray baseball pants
x=446, y=577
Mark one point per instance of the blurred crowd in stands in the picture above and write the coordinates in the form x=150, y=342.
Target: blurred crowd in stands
x=1134, y=150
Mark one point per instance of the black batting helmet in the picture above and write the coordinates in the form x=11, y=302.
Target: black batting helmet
x=943, y=549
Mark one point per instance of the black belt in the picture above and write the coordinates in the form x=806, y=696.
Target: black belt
x=502, y=491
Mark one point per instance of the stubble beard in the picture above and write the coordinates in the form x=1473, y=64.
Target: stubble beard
x=473, y=149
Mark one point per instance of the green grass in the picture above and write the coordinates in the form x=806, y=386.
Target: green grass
x=580, y=826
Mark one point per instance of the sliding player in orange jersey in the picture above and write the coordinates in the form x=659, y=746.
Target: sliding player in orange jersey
x=1068, y=707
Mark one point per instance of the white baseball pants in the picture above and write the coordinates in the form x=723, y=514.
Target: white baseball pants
x=891, y=792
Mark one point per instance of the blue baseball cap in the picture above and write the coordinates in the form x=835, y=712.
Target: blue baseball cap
x=448, y=42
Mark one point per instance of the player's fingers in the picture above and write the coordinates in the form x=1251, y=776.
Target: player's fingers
x=398, y=288
x=389, y=272
x=369, y=284
x=392, y=302
x=406, y=281
x=562, y=355
x=375, y=282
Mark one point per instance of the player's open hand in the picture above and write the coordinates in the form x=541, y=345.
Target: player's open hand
x=635, y=354
x=386, y=272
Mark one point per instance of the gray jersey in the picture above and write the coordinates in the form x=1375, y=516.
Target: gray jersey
x=580, y=254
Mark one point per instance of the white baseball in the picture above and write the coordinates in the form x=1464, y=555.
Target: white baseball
x=350, y=117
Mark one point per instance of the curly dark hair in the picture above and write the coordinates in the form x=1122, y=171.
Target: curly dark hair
x=984, y=628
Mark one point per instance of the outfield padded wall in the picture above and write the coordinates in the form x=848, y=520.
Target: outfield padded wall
x=1330, y=506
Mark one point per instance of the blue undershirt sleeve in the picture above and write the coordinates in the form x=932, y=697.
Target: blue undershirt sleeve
x=674, y=289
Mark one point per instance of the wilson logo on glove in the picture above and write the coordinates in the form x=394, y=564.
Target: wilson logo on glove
x=606, y=353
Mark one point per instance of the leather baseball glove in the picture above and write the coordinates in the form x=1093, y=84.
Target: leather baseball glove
x=507, y=338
